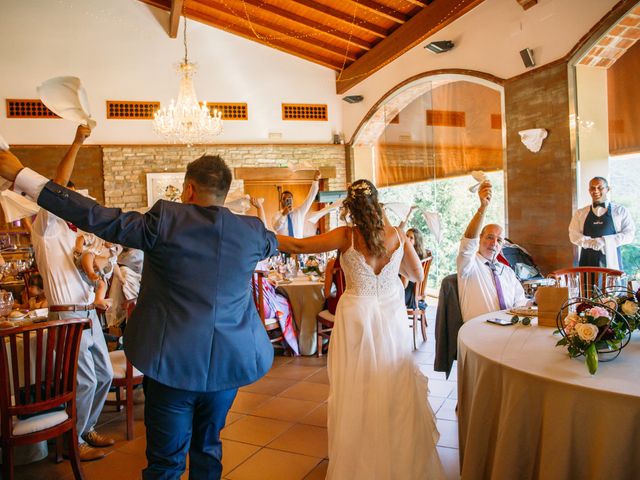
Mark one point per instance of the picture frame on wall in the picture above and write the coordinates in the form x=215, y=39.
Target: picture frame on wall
x=164, y=186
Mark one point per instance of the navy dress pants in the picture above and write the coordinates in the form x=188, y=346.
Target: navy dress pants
x=181, y=421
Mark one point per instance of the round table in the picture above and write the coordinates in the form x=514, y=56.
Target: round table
x=528, y=411
x=307, y=300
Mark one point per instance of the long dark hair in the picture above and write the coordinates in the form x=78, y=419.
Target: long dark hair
x=366, y=214
x=418, y=243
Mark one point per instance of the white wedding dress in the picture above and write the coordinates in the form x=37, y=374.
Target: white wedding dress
x=381, y=426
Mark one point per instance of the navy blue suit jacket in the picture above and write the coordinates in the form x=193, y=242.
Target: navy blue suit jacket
x=195, y=326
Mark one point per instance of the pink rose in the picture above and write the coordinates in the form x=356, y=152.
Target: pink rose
x=596, y=312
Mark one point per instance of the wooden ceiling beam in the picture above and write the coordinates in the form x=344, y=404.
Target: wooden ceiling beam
x=527, y=4
x=419, y=3
x=427, y=22
x=381, y=10
x=277, y=44
x=274, y=28
x=174, y=17
x=344, y=18
x=318, y=27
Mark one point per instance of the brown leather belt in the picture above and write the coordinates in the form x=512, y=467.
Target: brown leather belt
x=71, y=308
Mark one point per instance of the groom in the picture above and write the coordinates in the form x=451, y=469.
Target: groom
x=195, y=333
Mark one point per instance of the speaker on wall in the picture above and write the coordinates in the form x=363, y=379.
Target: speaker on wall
x=527, y=57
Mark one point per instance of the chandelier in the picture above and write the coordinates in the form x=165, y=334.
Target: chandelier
x=187, y=120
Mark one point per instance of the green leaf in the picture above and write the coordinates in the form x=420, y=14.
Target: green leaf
x=602, y=321
x=562, y=341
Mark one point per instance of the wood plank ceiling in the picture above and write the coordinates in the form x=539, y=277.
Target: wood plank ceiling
x=353, y=37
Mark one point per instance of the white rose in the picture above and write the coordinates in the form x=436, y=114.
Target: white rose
x=571, y=318
x=587, y=331
x=629, y=308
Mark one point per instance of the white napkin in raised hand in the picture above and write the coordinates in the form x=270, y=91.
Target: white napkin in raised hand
x=16, y=206
x=4, y=146
x=479, y=176
x=434, y=223
x=313, y=217
x=67, y=98
x=239, y=205
x=399, y=208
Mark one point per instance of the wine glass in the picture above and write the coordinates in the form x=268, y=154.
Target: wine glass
x=6, y=303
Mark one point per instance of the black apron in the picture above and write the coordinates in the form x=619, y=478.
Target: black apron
x=595, y=227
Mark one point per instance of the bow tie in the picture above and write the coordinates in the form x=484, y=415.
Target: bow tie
x=599, y=204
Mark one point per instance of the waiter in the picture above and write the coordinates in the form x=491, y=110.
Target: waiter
x=600, y=229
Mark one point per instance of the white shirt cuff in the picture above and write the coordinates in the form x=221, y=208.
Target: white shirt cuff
x=30, y=182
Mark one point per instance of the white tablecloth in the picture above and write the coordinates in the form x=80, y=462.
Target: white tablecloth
x=528, y=411
x=307, y=300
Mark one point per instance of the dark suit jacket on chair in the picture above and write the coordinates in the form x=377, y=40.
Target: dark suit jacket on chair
x=448, y=322
x=195, y=326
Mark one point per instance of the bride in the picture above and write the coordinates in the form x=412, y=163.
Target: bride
x=380, y=424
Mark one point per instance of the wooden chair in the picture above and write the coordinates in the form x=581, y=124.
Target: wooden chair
x=125, y=376
x=271, y=325
x=325, y=319
x=589, y=278
x=38, y=368
x=417, y=314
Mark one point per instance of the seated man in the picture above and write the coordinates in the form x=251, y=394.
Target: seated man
x=485, y=285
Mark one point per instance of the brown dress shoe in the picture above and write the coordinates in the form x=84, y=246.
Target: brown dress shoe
x=94, y=439
x=88, y=453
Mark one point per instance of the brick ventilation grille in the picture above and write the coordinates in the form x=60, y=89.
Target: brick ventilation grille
x=299, y=111
x=230, y=111
x=124, y=110
x=496, y=121
x=445, y=118
x=28, y=108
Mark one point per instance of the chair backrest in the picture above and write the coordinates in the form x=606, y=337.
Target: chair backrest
x=257, y=285
x=339, y=280
x=38, y=367
x=422, y=286
x=588, y=279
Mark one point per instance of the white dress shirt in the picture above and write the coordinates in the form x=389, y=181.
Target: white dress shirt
x=53, y=243
x=476, y=287
x=622, y=221
x=298, y=214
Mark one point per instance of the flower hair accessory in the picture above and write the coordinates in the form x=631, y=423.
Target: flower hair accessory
x=363, y=188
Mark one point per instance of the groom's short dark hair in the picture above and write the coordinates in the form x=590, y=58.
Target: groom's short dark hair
x=211, y=174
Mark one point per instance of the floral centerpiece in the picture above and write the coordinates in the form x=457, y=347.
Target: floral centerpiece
x=625, y=302
x=311, y=266
x=594, y=328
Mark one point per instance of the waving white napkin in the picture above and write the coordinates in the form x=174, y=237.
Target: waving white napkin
x=434, y=223
x=67, y=98
x=4, y=146
x=399, y=208
x=16, y=206
x=479, y=176
x=239, y=205
x=313, y=217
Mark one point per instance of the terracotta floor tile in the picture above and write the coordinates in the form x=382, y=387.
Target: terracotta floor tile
x=303, y=439
x=320, y=376
x=247, y=402
x=317, y=392
x=287, y=409
x=137, y=446
x=318, y=417
x=309, y=361
x=234, y=453
x=293, y=372
x=119, y=465
x=255, y=430
x=269, y=386
x=270, y=464
x=280, y=360
x=233, y=417
x=318, y=473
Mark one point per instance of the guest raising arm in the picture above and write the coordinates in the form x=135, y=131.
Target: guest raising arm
x=485, y=285
x=289, y=220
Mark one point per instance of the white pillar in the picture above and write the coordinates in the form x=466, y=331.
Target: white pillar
x=593, y=140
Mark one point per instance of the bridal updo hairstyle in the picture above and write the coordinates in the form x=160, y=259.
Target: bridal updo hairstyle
x=366, y=214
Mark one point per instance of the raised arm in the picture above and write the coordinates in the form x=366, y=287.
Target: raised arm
x=475, y=225
x=337, y=239
x=65, y=167
x=258, y=203
x=410, y=266
x=313, y=191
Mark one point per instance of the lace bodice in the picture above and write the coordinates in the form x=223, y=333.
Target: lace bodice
x=361, y=279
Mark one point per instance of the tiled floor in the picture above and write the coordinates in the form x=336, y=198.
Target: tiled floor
x=276, y=428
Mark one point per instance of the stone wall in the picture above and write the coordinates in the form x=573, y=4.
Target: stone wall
x=541, y=186
x=125, y=167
